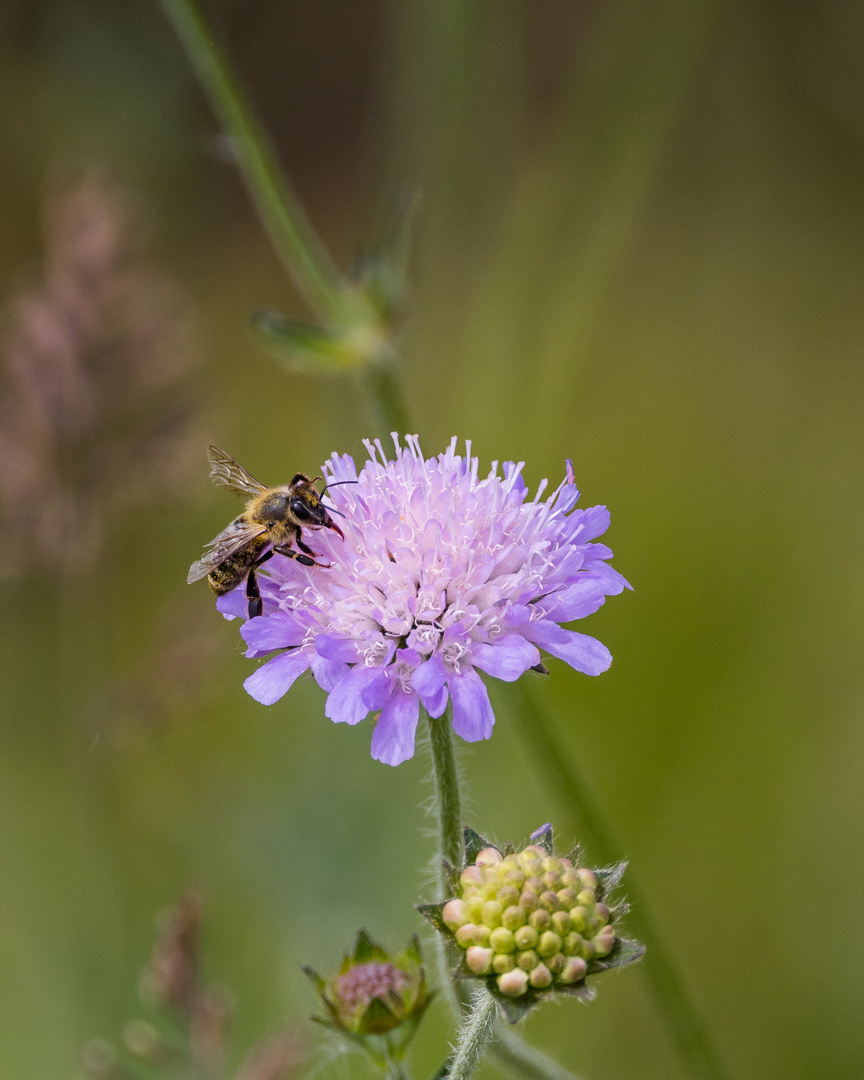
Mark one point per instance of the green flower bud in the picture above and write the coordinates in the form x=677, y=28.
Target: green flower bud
x=374, y=999
x=549, y=944
x=502, y=940
x=526, y=937
x=514, y=983
x=465, y=935
x=488, y=855
x=527, y=960
x=492, y=912
x=474, y=909
x=530, y=923
x=455, y=914
x=507, y=896
x=492, y=874
x=540, y=920
x=579, y=918
x=471, y=875
x=556, y=963
x=561, y=923
x=540, y=977
x=502, y=963
x=604, y=941
x=573, y=970
x=479, y=959
x=514, y=917
x=549, y=900
x=481, y=934
x=573, y=944
x=566, y=899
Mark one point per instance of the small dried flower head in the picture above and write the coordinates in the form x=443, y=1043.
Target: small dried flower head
x=441, y=574
x=94, y=417
x=171, y=978
x=531, y=923
x=375, y=999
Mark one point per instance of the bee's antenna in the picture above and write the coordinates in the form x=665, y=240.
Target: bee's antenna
x=332, y=509
x=336, y=483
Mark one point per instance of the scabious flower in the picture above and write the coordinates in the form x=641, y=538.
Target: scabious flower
x=442, y=574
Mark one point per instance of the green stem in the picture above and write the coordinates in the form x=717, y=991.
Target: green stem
x=687, y=1026
x=448, y=801
x=284, y=219
x=384, y=394
x=475, y=1033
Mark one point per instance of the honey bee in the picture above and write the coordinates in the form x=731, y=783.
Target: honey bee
x=272, y=521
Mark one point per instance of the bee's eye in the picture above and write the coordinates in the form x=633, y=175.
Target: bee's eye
x=300, y=509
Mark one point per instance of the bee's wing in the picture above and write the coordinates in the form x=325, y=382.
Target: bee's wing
x=225, y=472
x=231, y=540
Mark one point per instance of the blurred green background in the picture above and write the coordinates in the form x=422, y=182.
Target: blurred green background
x=640, y=245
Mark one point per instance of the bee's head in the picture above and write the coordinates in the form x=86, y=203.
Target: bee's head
x=306, y=505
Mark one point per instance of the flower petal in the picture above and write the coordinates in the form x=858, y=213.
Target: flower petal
x=338, y=647
x=582, y=598
x=393, y=738
x=265, y=633
x=430, y=682
x=345, y=703
x=275, y=678
x=508, y=658
x=328, y=672
x=473, y=718
x=584, y=653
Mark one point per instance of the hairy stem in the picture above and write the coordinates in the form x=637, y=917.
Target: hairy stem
x=448, y=801
x=283, y=217
x=686, y=1024
x=475, y=1033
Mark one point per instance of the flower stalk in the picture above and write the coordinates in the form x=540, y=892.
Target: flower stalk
x=279, y=209
x=476, y=1031
x=448, y=800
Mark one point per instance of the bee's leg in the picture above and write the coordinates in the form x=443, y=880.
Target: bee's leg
x=304, y=560
x=256, y=605
x=303, y=547
x=253, y=594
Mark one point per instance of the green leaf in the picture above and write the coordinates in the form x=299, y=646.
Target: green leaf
x=432, y=912
x=312, y=974
x=474, y=844
x=516, y=1009
x=307, y=347
x=623, y=952
x=452, y=873
x=443, y=1070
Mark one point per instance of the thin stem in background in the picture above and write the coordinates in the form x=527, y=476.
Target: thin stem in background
x=686, y=1024
x=284, y=219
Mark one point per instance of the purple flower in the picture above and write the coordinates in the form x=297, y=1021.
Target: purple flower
x=441, y=575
